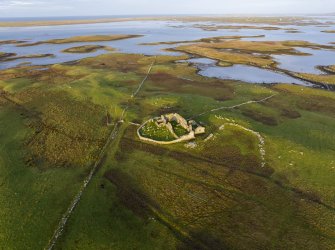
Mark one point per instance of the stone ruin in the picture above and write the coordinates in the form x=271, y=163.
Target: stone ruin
x=192, y=128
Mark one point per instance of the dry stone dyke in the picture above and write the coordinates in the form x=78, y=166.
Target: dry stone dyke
x=191, y=127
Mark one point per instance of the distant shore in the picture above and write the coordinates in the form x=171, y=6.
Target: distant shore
x=227, y=19
x=70, y=22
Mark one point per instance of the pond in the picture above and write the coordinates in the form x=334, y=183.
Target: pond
x=208, y=68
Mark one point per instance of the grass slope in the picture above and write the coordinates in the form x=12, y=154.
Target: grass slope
x=215, y=195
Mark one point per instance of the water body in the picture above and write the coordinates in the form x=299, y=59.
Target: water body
x=306, y=64
x=208, y=68
x=62, y=18
x=249, y=74
x=158, y=31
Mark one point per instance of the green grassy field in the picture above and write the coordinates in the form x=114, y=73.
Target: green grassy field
x=215, y=195
x=152, y=131
x=32, y=200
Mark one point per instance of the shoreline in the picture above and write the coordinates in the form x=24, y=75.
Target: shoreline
x=5, y=24
x=284, y=20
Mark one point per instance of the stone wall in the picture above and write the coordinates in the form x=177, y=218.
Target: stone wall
x=183, y=138
x=179, y=119
x=165, y=120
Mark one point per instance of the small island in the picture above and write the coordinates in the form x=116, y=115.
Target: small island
x=169, y=129
x=81, y=39
x=87, y=49
x=6, y=57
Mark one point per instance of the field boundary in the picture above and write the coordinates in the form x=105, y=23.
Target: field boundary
x=261, y=140
x=175, y=154
x=114, y=133
x=235, y=106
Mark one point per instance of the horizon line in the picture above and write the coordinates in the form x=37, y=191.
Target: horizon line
x=185, y=14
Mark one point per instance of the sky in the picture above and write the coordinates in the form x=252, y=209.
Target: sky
x=42, y=8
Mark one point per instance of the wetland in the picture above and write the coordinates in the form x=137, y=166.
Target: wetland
x=76, y=94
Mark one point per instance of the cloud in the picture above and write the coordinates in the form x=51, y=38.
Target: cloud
x=18, y=3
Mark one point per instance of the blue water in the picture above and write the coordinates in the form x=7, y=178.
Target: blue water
x=158, y=31
x=62, y=18
x=208, y=67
